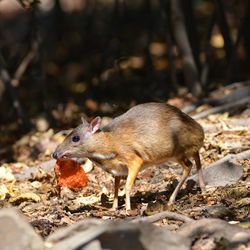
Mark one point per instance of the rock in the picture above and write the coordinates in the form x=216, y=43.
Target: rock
x=93, y=245
x=5, y=174
x=222, y=233
x=116, y=235
x=141, y=236
x=219, y=211
x=222, y=174
x=16, y=233
x=245, y=223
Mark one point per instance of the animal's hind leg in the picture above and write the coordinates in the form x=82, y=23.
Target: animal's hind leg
x=196, y=157
x=186, y=165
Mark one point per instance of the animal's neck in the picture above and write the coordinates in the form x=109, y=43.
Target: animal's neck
x=99, y=148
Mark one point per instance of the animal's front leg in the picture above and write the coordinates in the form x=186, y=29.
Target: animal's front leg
x=133, y=170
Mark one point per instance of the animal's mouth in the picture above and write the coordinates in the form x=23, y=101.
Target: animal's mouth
x=58, y=156
x=63, y=158
x=67, y=157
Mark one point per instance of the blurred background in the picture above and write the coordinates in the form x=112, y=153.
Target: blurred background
x=62, y=59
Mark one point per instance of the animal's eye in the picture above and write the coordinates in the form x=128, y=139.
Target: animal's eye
x=76, y=138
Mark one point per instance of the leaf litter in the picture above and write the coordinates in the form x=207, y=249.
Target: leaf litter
x=37, y=197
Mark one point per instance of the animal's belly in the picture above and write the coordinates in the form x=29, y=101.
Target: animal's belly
x=119, y=170
x=157, y=163
x=122, y=170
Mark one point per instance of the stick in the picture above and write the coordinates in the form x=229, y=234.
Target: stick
x=242, y=90
x=232, y=157
x=11, y=83
x=163, y=215
x=6, y=80
x=222, y=108
x=25, y=63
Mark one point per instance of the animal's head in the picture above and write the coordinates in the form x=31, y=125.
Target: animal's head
x=73, y=145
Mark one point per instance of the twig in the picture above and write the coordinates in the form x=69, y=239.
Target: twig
x=239, y=122
x=11, y=83
x=222, y=108
x=244, y=122
x=162, y=215
x=25, y=63
x=238, y=90
x=231, y=86
x=6, y=80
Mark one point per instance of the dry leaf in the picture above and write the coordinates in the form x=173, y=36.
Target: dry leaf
x=6, y=174
x=25, y=197
x=3, y=191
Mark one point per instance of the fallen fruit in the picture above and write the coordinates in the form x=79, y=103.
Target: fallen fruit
x=70, y=174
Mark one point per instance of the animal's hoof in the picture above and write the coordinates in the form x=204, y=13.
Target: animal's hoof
x=113, y=209
x=169, y=206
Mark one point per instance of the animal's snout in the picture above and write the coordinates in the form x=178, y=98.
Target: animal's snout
x=55, y=155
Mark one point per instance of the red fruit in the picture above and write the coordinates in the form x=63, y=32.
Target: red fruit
x=70, y=174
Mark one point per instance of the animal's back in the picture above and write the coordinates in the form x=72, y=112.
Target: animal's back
x=157, y=131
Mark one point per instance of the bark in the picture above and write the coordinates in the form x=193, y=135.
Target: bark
x=190, y=70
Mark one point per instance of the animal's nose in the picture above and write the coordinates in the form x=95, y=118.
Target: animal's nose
x=55, y=155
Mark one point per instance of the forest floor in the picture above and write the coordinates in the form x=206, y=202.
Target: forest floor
x=34, y=192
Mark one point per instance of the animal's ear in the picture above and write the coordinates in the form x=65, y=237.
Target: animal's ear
x=84, y=121
x=95, y=124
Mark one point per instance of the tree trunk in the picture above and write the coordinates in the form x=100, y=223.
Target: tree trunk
x=190, y=70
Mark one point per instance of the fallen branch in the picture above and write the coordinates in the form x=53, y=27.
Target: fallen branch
x=215, y=228
x=11, y=83
x=6, y=81
x=244, y=122
x=243, y=91
x=163, y=215
x=80, y=239
x=222, y=108
x=233, y=157
x=231, y=86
